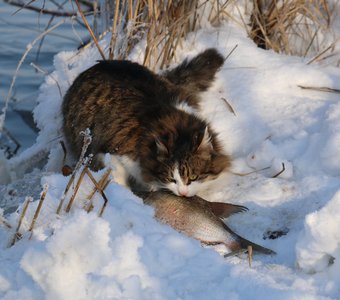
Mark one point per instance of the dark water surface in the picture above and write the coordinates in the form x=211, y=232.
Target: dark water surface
x=16, y=32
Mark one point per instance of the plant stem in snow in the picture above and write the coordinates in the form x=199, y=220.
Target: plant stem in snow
x=17, y=235
x=36, y=214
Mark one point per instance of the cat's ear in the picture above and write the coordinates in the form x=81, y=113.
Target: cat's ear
x=162, y=150
x=206, y=140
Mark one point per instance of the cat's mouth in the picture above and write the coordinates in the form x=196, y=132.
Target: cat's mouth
x=175, y=192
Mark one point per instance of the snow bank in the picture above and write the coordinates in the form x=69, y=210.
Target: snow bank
x=319, y=245
x=126, y=254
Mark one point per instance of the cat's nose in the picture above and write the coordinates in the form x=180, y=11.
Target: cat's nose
x=183, y=193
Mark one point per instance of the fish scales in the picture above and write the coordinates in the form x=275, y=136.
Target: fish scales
x=192, y=216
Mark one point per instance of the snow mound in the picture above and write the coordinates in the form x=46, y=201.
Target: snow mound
x=319, y=245
x=127, y=254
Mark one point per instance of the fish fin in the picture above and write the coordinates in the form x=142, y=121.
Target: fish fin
x=234, y=253
x=224, y=210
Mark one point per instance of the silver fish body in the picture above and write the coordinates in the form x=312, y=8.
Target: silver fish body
x=200, y=219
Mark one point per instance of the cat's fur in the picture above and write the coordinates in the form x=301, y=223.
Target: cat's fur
x=146, y=122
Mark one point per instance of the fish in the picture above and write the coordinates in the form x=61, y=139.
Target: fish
x=201, y=220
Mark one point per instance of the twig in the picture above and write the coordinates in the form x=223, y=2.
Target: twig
x=42, y=40
x=62, y=144
x=231, y=52
x=103, y=207
x=17, y=235
x=61, y=202
x=81, y=176
x=105, y=199
x=114, y=31
x=36, y=214
x=24, y=5
x=250, y=255
x=311, y=42
x=320, y=89
x=279, y=173
x=13, y=139
x=5, y=222
x=321, y=53
x=102, y=185
x=90, y=30
x=246, y=174
x=100, y=189
x=42, y=10
x=230, y=108
x=46, y=74
x=28, y=48
x=86, y=142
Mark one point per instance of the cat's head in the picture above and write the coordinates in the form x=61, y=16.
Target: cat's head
x=184, y=160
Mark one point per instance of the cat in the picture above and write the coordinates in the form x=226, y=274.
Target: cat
x=147, y=122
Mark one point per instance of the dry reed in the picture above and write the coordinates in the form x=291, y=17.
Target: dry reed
x=100, y=186
x=37, y=211
x=4, y=222
x=288, y=26
x=161, y=24
x=320, y=89
x=17, y=235
x=280, y=172
x=291, y=26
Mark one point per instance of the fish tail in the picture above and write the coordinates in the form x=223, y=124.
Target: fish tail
x=257, y=248
x=239, y=243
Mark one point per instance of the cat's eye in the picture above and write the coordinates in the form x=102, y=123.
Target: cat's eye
x=172, y=180
x=193, y=177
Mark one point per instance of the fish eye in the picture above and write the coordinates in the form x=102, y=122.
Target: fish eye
x=193, y=177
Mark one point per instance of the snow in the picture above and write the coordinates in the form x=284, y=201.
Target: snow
x=127, y=254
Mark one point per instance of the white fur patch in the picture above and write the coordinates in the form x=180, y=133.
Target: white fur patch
x=183, y=106
x=179, y=188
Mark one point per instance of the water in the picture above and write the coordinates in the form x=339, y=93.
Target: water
x=16, y=32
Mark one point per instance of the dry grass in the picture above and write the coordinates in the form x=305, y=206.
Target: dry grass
x=99, y=186
x=295, y=27
x=161, y=24
x=37, y=212
x=17, y=235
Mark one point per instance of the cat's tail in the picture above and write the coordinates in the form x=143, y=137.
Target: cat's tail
x=197, y=74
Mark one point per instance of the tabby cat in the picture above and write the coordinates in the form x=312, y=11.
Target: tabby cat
x=147, y=122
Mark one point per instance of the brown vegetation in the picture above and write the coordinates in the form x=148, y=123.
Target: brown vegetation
x=292, y=27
